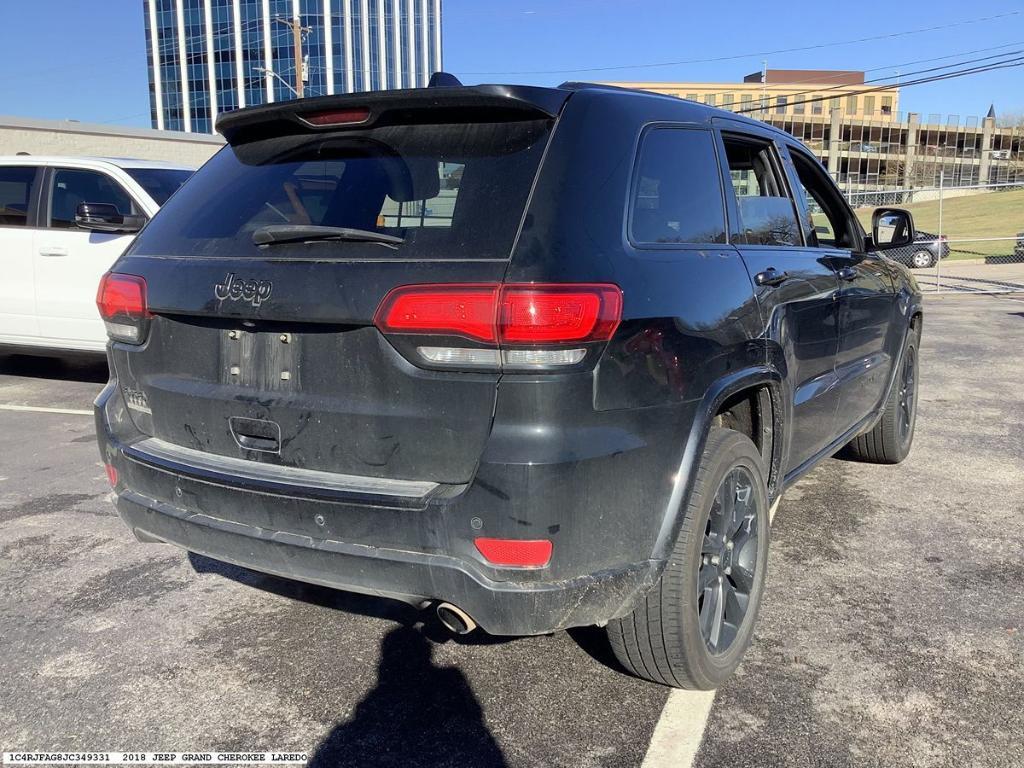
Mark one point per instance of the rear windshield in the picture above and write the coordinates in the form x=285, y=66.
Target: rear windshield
x=159, y=183
x=452, y=191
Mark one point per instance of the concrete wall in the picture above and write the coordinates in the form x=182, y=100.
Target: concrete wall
x=63, y=137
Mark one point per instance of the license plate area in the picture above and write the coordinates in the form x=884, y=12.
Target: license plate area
x=261, y=359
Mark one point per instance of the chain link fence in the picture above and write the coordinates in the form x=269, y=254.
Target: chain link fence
x=961, y=177
x=969, y=239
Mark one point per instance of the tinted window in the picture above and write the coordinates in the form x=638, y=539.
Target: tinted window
x=767, y=215
x=72, y=187
x=15, y=191
x=159, y=183
x=677, y=197
x=450, y=191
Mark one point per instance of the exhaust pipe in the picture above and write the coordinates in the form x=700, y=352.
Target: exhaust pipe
x=455, y=619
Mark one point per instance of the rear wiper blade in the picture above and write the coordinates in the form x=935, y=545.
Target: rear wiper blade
x=301, y=233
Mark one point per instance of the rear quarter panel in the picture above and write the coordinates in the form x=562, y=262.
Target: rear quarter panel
x=690, y=321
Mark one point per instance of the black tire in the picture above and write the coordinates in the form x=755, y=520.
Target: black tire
x=664, y=639
x=889, y=441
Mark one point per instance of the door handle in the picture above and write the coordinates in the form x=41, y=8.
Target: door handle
x=254, y=443
x=53, y=250
x=771, y=276
x=847, y=273
x=256, y=434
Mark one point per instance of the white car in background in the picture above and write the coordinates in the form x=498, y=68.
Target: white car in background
x=63, y=223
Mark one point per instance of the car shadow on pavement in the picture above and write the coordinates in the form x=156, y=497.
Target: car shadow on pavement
x=417, y=714
x=594, y=642
x=88, y=368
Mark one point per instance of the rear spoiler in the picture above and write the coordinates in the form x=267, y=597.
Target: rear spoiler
x=444, y=104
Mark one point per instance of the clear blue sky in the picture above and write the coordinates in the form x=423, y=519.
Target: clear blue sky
x=85, y=59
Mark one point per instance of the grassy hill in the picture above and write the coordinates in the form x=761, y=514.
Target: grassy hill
x=990, y=214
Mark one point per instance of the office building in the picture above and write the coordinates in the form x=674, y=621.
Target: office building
x=211, y=56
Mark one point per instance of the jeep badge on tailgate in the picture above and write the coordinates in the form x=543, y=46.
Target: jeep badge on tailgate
x=253, y=291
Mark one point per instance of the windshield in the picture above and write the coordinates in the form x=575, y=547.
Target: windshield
x=443, y=191
x=159, y=183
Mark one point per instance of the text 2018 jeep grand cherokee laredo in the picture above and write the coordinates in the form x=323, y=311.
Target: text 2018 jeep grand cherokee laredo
x=542, y=357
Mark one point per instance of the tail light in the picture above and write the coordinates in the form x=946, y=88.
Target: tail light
x=516, y=325
x=121, y=300
x=558, y=314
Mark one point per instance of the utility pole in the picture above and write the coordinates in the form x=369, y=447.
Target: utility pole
x=295, y=23
x=764, y=88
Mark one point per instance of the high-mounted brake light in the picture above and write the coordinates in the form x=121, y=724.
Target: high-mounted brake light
x=121, y=300
x=515, y=553
x=352, y=116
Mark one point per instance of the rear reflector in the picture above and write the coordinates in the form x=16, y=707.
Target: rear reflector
x=510, y=314
x=121, y=300
x=111, y=475
x=337, y=117
x=515, y=553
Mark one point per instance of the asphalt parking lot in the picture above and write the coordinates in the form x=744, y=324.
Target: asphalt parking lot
x=892, y=631
x=972, y=276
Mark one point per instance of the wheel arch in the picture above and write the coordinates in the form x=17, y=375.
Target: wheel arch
x=761, y=386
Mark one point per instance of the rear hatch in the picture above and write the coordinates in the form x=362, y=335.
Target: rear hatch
x=261, y=343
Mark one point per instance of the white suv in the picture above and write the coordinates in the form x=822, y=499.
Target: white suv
x=63, y=222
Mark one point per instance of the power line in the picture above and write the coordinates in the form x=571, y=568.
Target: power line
x=844, y=87
x=818, y=46
x=1009, y=64
x=879, y=68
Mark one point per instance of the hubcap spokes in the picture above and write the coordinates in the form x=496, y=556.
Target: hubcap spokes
x=725, y=573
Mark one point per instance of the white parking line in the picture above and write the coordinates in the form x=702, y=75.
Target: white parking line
x=679, y=730
x=680, y=727
x=43, y=409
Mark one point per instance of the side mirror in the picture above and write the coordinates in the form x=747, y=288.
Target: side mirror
x=891, y=228
x=104, y=217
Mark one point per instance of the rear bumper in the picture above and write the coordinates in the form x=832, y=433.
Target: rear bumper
x=499, y=607
x=596, y=503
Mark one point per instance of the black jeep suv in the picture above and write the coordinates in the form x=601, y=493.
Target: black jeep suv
x=536, y=357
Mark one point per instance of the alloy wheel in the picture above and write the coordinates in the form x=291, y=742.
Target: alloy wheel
x=907, y=400
x=725, y=575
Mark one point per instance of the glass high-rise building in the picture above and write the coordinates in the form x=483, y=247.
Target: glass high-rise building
x=211, y=56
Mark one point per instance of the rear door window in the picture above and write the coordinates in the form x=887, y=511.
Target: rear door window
x=159, y=183
x=677, y=193
x=15, y=194
x=451, y=191
x=767, y=213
